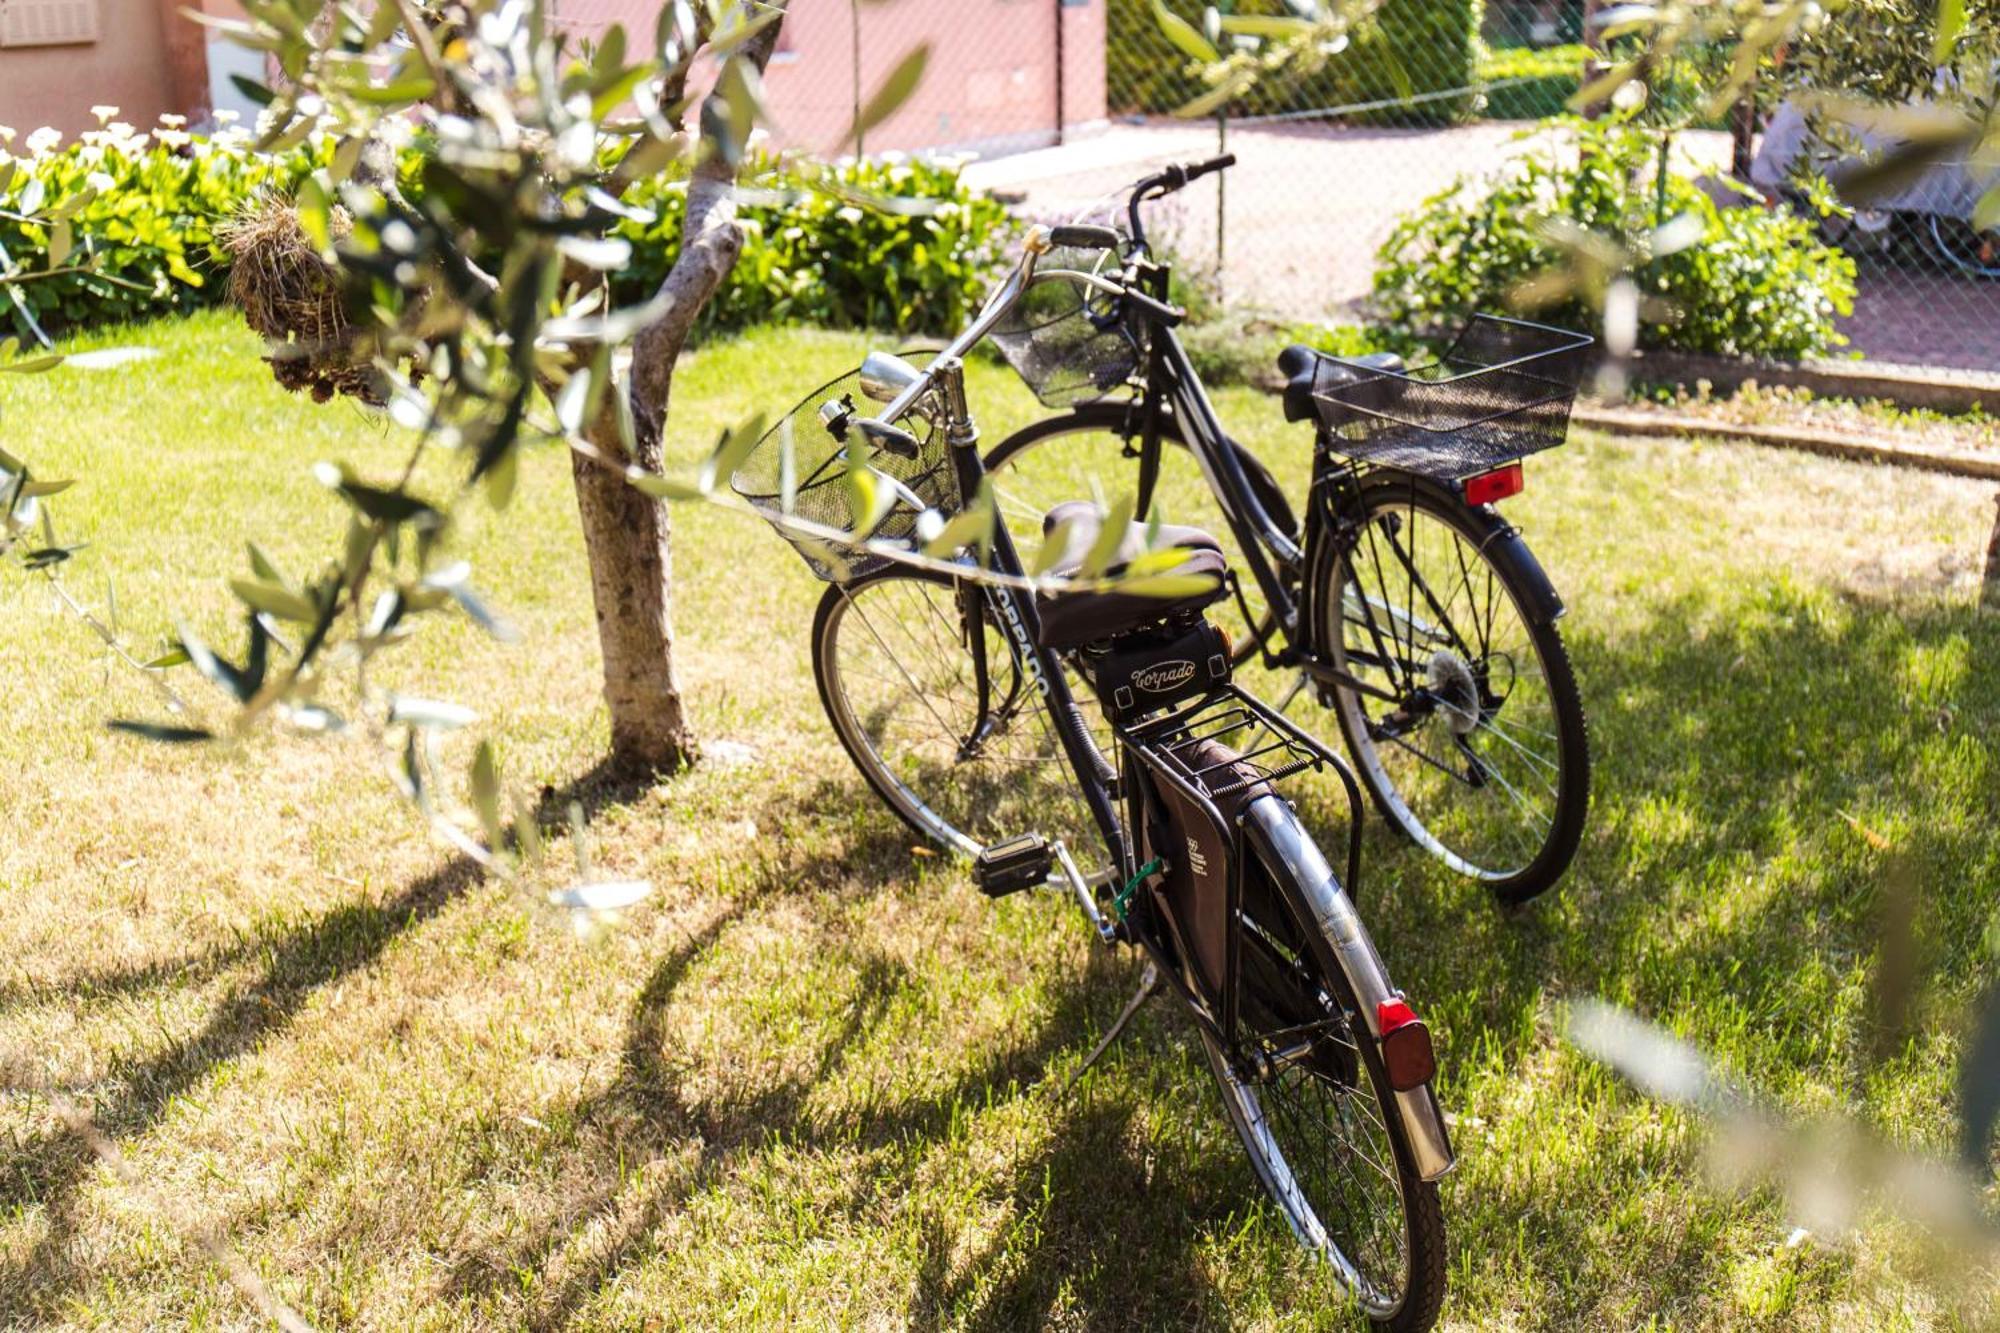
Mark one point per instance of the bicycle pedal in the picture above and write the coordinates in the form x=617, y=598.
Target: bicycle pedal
x=1013, y=864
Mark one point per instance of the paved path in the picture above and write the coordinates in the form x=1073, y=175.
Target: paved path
x=1309, y=204
x=1926, y=319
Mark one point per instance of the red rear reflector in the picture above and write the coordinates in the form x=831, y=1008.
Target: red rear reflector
x=1492, y=487
x=1406, y=1045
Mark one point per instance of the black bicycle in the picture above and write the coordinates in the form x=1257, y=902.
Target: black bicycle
x=1405, y=604
x=952, y=670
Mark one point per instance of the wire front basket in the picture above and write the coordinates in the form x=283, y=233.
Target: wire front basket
x=1070, y=343
x=1501, y=391
x=800, y=468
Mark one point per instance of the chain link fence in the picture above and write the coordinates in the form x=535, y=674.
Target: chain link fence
x=1065, y=101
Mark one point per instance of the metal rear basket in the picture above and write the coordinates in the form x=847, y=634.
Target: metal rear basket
x=1069, y=343
x=1501, y=391
x=804, y=457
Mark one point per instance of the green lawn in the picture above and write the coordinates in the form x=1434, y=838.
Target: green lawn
x=814, y=1080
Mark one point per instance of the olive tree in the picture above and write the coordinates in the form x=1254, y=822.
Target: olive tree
x=476, y=290
x=490, y=280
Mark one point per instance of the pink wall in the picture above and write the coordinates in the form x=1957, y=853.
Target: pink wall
x=125, y=67
x=990, y=80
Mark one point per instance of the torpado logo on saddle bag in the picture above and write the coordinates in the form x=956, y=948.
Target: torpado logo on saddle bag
x=1164, y=676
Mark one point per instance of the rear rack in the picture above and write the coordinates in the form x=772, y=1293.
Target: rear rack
x=1264, y=749
x=1234, y=725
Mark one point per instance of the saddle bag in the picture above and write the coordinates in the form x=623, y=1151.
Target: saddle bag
x=1152, y=668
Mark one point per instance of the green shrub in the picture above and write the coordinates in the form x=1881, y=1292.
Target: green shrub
x=151, y=203
x=918, y=263
x=912, y=252
x=1410, y=48
x=1755, y=283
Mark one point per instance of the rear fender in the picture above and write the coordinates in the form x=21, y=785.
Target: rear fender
x=1277, y=839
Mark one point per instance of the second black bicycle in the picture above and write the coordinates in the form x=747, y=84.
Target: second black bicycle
x=1393, y=596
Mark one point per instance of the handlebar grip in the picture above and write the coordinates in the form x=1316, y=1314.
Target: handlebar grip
x=1080, y=237
x=1200, y=169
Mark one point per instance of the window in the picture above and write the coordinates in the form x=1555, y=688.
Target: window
x=47, y=22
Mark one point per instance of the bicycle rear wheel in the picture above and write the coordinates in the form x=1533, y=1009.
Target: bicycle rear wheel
x=1465, y=722
x=1319, y=1120
x=894, y=654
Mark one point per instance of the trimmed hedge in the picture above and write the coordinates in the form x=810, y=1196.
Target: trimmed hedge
x=1410, y=49
x=148, y=210
x=1555, y=73
x=905, y=246
x=1678, y=92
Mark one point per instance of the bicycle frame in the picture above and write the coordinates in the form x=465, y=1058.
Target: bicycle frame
x=1013, y=608
x=1276, y=560
x=1267, y=822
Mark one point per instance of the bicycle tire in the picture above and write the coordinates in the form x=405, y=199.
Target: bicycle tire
x=1489, y=540
x=935, y=793
x=1285, y=910
x=1957, y=246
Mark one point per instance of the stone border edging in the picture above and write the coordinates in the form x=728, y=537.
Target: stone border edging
x=1908, y=386
x=1859, y=448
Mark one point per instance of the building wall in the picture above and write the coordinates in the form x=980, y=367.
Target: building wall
x=990, y=81
x=128, y=67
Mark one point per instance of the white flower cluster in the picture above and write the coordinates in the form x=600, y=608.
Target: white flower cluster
x=117, y=136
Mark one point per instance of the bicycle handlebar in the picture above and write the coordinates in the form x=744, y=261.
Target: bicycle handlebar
x=1077, y=236
x=1161, y=184
x=883, y=435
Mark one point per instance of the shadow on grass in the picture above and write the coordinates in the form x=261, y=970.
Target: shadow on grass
x=645, y=1109
x=1727, y=881
x=1718, y=881
x=47, y=1170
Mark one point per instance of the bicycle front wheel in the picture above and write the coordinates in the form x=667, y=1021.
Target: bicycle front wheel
x=1460, y=706
x=964, y=753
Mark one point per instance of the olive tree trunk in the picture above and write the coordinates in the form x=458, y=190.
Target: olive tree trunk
x=626, y=531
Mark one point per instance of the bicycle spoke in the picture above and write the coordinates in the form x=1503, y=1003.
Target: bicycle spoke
x=1485, y=724
x=1424, y=613
x=925, y=698
x=904, y=676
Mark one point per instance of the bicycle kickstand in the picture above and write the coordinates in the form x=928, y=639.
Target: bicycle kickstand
x=1150, y=984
